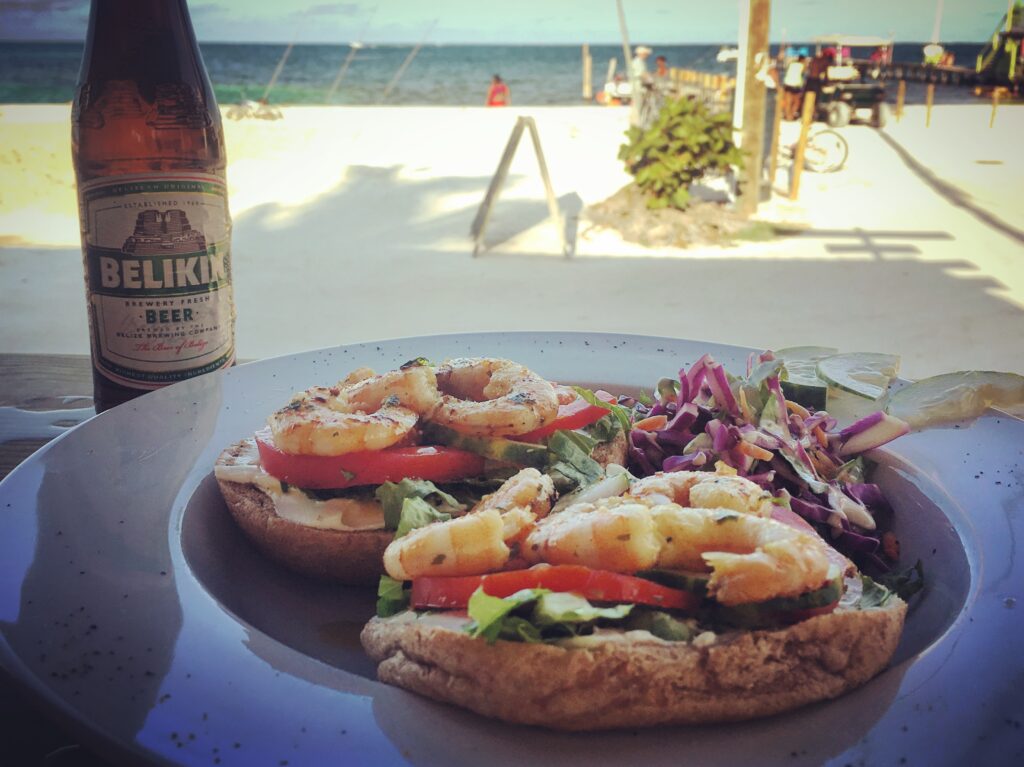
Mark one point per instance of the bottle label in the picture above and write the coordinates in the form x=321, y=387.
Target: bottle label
x=158, y=276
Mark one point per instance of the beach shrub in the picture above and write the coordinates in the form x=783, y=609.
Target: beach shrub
x=684, y=143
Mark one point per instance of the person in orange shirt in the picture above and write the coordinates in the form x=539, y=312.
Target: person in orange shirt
x=499, y=94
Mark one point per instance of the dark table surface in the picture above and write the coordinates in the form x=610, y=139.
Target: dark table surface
x=41, y=396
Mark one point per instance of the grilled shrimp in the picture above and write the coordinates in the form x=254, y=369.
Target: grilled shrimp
x=414, y=387
x=704, y=490
x=363, y=412
x=462, y=546
x=751, y=558
x=528, y=488
x=521, y=500
x=479, y=541
x=489, y=397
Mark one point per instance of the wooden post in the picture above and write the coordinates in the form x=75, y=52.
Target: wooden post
x=754, y=108
x=995, y=106
x=341, y=72
x=929, y=99
x=773, y=151
x=479, y=225
x=610, y=75
x=277, y=72
x=634, y=82
x=901, y=96
x=405, y=64
x=588, y=73
x=798, y=159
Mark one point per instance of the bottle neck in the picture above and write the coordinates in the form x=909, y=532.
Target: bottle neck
x=151, y=41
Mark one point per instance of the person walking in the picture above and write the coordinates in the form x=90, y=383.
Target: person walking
x=498, y=95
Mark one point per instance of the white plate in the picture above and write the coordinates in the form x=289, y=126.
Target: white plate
x=131, y=607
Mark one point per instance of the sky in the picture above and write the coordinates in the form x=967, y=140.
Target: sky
x=525, y=21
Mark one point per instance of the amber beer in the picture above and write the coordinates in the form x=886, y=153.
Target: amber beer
x=148, y=148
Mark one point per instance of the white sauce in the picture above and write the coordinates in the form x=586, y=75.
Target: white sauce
x=346, y=514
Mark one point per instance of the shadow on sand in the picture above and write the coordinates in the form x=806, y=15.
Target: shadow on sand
x=380, y=256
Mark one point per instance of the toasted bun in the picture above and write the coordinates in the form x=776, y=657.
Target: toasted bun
x=349, y=557
x=613, y=451
x=637, y=682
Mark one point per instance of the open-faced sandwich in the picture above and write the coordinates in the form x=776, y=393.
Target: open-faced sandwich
x=705, y=586
x=324, y=487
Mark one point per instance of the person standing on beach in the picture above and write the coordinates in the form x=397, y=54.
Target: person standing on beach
x=817, y=72
x=638, y=66
x=641, y=87
x=499, y=94
x=793, y=88
x=660, y=68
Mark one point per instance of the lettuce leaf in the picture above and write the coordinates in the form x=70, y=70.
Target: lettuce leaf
x=536, y=615
x=489, y=613
x=662, y=625
x=561, y=607
x=392, y=597
x=571, y=450
x=873, y=594
x=392, y=496
x=604, y=429
x=906, y=582
x=416, y=512
x=622, y=414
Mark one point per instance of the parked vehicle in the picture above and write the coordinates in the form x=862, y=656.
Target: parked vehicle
x=853, y=91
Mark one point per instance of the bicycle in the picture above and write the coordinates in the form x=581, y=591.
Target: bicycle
x=826, y=151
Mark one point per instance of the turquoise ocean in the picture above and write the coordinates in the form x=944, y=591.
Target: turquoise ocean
x=455, y=75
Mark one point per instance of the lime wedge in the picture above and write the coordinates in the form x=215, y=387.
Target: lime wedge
x=865, y=373
x=799, y=379
x=956, y=397
x=802, y=363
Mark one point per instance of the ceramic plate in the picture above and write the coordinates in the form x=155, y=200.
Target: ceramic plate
x=132, y=608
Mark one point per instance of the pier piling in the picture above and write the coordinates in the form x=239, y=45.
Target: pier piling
x=588, y=73
x=929, y=99
x=798, y=158
x=995, y=106
x=773, y=150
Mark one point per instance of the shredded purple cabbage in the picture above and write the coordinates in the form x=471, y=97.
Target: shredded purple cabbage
x=742, y=417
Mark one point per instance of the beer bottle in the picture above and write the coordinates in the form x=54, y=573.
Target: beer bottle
x=148, y=149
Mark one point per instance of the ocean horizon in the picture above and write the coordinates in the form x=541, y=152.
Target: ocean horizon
x=441, y=74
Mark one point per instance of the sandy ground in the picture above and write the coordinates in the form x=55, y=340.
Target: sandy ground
x=352, y=224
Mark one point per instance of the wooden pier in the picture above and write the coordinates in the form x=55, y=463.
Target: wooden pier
x=921, y=73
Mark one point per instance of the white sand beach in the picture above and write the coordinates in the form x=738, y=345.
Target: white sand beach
x=352, y=224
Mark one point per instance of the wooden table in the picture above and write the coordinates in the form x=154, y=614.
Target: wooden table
x=41, y=395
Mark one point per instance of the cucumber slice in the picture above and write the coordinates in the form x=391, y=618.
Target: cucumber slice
x=865, y=373
x=775, y=611
x=686, y=580
x=799, y=379
x=955, y=397
x=495, y=448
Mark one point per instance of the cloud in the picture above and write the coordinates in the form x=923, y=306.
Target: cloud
x=333, y=9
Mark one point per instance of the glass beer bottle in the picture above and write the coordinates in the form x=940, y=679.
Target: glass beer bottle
x=148, y=149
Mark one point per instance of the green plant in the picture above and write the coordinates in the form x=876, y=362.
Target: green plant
x=685, y=142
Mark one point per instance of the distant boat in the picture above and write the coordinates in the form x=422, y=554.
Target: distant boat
x=727, y=54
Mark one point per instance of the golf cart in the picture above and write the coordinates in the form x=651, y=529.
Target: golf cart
x=853, y=90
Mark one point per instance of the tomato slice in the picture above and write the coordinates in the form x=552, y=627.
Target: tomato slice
x=372, y=467
x=575, y=415
x=451, y=593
